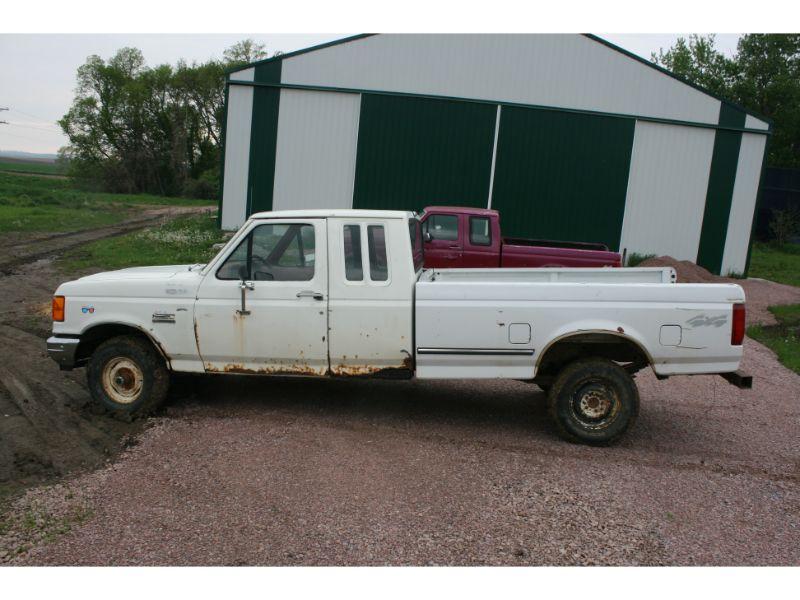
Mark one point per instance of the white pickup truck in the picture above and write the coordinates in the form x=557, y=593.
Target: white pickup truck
x=342, y=293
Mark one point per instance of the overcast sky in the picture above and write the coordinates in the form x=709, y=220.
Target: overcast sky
x=37, y=72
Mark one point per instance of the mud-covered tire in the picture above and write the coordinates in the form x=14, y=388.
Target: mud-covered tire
x=127, y=376
x=593, y=401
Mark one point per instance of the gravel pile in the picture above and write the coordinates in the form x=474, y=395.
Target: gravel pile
x=292, y=471
x=759, y=293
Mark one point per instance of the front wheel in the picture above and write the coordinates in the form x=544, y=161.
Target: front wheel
x=593, y=401
x=127, y=376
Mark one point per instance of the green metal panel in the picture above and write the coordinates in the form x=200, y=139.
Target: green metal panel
x=263, y=138
x=562, y=176
x=414, y=152
x=719, y=196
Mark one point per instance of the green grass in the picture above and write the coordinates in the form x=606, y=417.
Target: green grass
x=29, y=204
x=184, y=240
x=784, y=338
x=31, y=167
x=776, y=263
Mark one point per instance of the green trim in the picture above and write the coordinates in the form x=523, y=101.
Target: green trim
x=759, y=198
x=719, y=194
x=263, y=139
x=579, y=111
x=677, y=77
x=280, y=57
x=222, y=140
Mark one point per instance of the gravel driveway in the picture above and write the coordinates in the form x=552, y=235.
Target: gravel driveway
x=292, y=471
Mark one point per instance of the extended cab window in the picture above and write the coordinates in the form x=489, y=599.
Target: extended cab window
x=353, y=269
x=442, y=227
x=480, y=233
x=273, y=252
x=378, y=265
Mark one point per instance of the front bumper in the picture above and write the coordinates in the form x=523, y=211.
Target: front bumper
x=63, y=351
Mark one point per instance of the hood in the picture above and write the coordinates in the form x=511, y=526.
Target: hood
x=151, y=282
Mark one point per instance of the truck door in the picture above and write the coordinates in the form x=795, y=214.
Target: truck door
x=443, y=240
x=263, y=308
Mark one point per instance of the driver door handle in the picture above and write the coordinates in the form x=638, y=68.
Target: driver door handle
x=310, y=294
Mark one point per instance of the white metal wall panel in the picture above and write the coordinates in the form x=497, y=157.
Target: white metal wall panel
x=237, y=155
x=745, y=193
x=751, y=122
x=316, y=155
x=667, y=190
x=564, y=70
x=244, y=75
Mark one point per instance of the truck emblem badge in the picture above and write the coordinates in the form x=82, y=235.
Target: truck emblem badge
x=87, y=309
x=705, y=321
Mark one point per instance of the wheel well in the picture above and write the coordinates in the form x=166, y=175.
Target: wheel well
x=619, y=348
x=95, y=336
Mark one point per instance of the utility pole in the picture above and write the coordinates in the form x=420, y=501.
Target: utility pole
x=3, y=122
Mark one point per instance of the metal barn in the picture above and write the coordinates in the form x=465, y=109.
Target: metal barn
x=569, y=136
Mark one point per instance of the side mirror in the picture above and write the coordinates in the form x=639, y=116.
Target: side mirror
x=427, y=237
x=243, y=273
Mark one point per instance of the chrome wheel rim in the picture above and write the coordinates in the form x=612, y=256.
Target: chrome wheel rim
x=122, y=380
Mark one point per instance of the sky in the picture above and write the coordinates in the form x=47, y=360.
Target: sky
x=37, y=71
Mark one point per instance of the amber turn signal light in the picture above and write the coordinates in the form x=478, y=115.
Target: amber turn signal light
x=58, y=308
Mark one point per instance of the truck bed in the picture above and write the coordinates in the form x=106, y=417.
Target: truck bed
x=497, y=322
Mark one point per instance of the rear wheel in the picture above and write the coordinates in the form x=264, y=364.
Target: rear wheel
x=127, y=376
x=593, y=401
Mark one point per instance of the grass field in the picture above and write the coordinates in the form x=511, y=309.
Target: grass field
x=29, y=204
x=25, y=166
x=781, y=264
x=184, y=240
x=783, y=338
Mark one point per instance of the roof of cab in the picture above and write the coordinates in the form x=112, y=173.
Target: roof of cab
x=321, y=213
x=461, y=210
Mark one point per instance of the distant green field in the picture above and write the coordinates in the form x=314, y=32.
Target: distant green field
x=784, y=338
x=185, y=240
x=30, y=167
x=29, y=204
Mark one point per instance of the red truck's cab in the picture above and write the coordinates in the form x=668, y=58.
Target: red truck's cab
x=471, y=238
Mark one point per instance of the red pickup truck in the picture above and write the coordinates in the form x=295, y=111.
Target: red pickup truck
x=458, y=236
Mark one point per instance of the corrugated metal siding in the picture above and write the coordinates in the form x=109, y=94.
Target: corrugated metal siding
x=564, y=70
x=720, y=190
x=562, y=176
x=414, y=152
x=264, y=138
x=745, y=191
x=667, y=190
x=316, y=154
x=237, y=156
x=752, y=122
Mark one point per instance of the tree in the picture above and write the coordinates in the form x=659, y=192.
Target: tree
x=763, y=76
x=243, y=52
x=134, y=128
x=698, y=61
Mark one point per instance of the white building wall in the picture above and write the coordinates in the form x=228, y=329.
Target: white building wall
x=316, y=152
x=745, y=193
x=559, y=70
x=751, y=122
x=667, y=187
x=237, y=152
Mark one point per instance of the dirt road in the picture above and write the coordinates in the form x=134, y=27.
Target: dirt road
x=47, y=426
x=296, y=471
